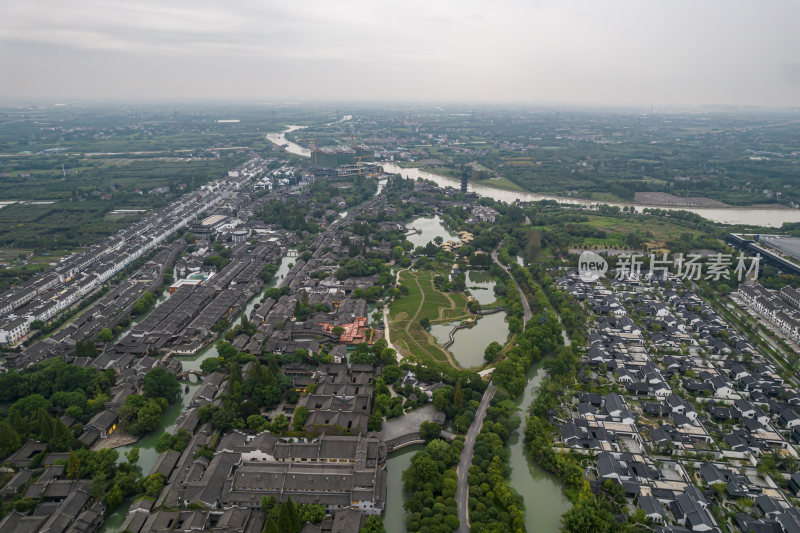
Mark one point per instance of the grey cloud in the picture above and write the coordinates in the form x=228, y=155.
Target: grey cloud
x=549, y=51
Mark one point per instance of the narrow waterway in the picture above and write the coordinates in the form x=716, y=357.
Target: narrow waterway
x=146, y=445
x=394, y=516
x=147, y=451
x=193, y=362
x=163, y=296
x=545, y=501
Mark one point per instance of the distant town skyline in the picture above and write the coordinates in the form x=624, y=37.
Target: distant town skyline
x=617, y=52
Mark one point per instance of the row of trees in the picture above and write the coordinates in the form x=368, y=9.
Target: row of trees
x=494, y=505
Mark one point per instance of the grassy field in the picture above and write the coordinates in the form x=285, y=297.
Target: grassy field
x=661, y=229
x=423, y=301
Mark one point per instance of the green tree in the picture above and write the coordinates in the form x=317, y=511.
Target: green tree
x=132, y=456
x=30, y=404
x=391, y=374
x=210, y=365
x=140, y=415
x=491, y=351
x=256, y=421
x=285, y=522
x=375, y=422
x=270, y=526
x=430, y=430
x=312, y=512
x=180, y=440
x=588, y=515
x=61, y=435
x=438, y=450
x=294, y=515
x=105, y=335
x=24, y=505
x=280, y=424
x=441, y=398
x=159, y=383
x=458, y=395
x=9, y=439
x=374, y=524
x=74, y=411
x=164, y=442
x=153, y=484
x=300, y=417
x=73, y=465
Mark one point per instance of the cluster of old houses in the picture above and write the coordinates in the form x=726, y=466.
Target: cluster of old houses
x=217, y=482
x=670, y=380
x=65, y=505
x=223, y=492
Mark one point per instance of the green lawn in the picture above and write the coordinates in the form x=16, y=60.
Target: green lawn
x=661, y=229
x=405, y=314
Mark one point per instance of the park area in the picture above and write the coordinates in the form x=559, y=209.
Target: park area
x=423, y=304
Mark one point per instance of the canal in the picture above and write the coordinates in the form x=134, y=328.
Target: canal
x=147, y=451
x=544, y=498
x=394, y=516
x=146, y=445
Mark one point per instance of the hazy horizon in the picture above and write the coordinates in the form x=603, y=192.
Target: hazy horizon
x=618, y=53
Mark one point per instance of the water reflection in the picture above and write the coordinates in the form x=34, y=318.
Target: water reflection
x=470, y=343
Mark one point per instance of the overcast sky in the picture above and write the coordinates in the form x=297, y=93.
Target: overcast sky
x=618, y=52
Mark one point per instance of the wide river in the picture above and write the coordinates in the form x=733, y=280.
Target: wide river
x=769, y=217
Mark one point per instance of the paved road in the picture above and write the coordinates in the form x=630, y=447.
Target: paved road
x=462, y=492
x=527, y=308
x=398, y=355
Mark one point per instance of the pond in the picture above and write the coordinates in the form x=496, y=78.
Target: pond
x=545, y=501
x=430, y=228
x=394, y=516
x=470, y=343
x=480, y=284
